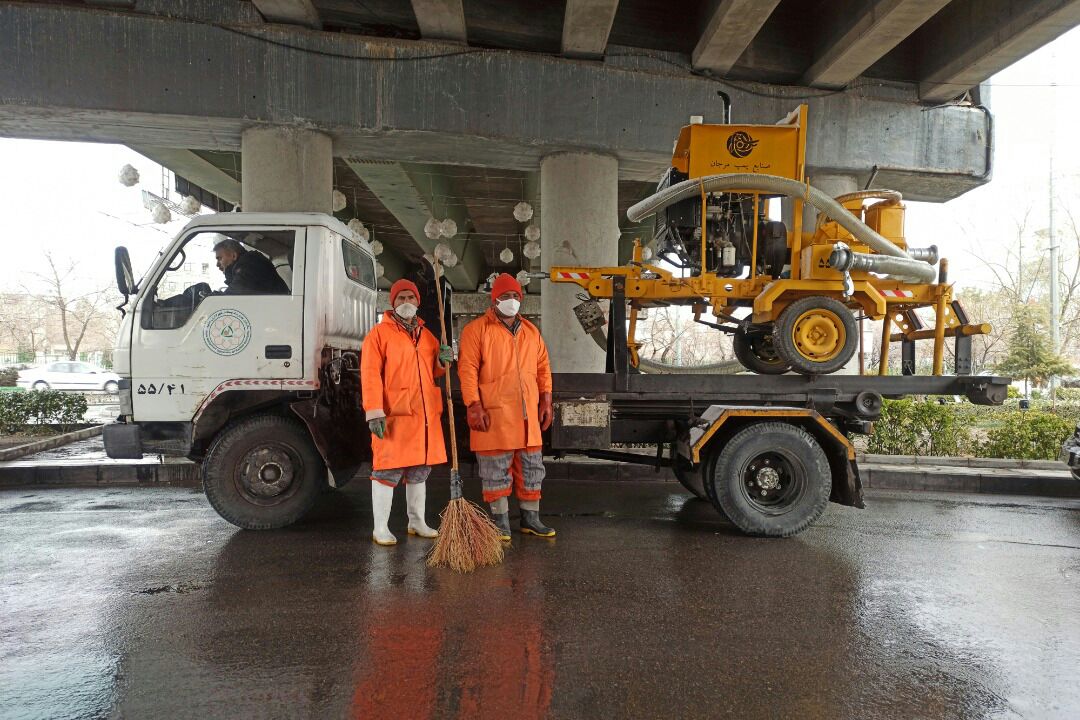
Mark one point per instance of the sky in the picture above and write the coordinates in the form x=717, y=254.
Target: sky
x=65, y=197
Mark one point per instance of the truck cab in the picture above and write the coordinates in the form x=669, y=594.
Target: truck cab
x=260, y=384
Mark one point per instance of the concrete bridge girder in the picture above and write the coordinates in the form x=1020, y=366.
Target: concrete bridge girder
x=473, y=107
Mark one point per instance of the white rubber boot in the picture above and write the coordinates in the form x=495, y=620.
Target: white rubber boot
x=382, y=497
x=416, y=499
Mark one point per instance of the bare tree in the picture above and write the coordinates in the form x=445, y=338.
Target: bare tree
x=78, y=313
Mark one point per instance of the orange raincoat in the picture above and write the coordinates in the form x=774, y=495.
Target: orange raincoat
x=506, y=373
x=397, y=376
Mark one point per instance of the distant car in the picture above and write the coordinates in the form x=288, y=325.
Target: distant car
x=1070, y=453
x=69, y=375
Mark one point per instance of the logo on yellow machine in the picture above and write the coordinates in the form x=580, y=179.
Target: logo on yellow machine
x=740, y=144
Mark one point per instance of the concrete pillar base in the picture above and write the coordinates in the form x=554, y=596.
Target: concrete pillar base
x=579, y=194
x=286, y=169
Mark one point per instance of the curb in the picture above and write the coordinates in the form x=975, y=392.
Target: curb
x=884, y=472
x=49, y=443
x=180, y=473
x=972, y=462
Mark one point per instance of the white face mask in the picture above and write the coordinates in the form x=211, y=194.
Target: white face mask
x=406, y=311
x=509, y=308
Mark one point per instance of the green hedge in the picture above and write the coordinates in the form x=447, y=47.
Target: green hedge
x=927, y=427
x=45, y=407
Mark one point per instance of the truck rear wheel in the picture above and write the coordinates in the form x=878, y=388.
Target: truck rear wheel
x=263, y=472
x=771, y=479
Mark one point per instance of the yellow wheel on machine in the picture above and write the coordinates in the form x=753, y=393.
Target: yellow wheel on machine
x=815, y=335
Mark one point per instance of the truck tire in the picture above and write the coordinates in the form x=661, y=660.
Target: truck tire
x=263, y=472
x=771, y=479
x=816, y=335
x=756, y=353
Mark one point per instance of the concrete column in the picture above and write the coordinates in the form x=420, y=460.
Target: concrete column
x=579, y=195
x=286, y=169
x=831, y=185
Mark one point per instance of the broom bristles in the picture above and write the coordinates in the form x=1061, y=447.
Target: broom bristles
x=468, y=539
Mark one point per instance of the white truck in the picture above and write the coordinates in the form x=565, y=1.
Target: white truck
x=262, y=388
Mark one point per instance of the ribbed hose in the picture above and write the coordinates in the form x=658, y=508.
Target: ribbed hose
x=727, y=367
x=845, y=259
x=908, y=268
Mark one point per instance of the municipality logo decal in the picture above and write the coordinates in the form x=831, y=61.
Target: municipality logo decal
x=227, y=332
x=740, y=144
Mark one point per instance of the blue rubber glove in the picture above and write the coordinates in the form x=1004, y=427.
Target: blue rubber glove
x=377, y=427
x=446, y=354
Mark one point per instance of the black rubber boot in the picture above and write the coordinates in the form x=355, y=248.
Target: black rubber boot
x=502, y=521
x=531, y=525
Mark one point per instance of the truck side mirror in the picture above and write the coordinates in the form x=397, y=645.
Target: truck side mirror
x=125, y=280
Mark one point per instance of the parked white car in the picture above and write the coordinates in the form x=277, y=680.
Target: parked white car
x=69, y=375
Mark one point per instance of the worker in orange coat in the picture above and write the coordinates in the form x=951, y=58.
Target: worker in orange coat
x=399, y=362
x=506, y=385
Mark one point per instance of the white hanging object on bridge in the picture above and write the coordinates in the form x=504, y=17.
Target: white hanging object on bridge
x=443, y=252
x=359, y=230
x=161, y=214
x=646, y=254
x=523, y=278
x=432, y=229
x=129, y=176
x=376, y=248
x=452, y=260
x=531, y=250
x=448, y=228
x=190, y=205
x=339, y=201
x=532, y=232
x=507, y=256
x=523, y=212
x=379, y=270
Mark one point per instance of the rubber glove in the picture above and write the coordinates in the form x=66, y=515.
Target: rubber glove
x=546, y=413
x=377, y=427
x=446, y=354
x=478, y=418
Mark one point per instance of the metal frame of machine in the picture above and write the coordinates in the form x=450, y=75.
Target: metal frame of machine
x=803, y=288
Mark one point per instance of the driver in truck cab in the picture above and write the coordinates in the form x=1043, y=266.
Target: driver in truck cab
x=247, y=272
x=399, y=362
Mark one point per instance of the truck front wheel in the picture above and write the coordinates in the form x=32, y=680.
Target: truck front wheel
x=770, y=479
x=263, y=472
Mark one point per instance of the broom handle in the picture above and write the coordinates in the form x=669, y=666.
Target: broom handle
x=446, y=377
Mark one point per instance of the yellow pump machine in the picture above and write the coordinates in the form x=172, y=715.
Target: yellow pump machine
x=803, y=285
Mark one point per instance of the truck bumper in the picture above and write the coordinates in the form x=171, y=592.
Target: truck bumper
x=129, y=441
x=123, y=441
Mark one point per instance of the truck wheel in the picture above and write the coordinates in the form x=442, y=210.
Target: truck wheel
x=816, y=335
x=756, y=353
x=689, y=477
x=771, y=479
x=263, y=472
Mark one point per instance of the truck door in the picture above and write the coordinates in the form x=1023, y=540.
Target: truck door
x=193, y=331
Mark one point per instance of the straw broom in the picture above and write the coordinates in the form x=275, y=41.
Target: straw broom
x=467, y=537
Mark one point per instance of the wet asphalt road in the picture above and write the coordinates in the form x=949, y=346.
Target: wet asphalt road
x=141, y=603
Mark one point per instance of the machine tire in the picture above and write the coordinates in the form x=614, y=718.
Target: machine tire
x=793, y=464
x=242, y=493
x=112, y=387
x=757, y=353
x=40, y=385
x=816, y=335
x=689, y=477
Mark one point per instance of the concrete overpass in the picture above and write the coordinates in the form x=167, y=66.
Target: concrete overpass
x=462, y=109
